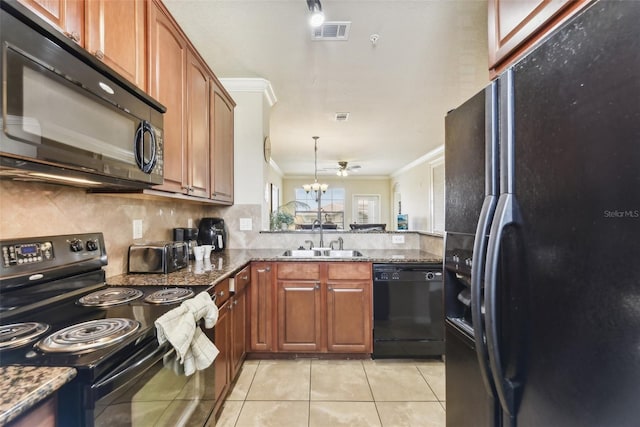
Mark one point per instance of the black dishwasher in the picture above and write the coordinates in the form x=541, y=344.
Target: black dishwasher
x=408, y=311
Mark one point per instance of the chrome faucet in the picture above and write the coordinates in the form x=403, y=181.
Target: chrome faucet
x=340, y=243
x=310, y=242
x=318, y=222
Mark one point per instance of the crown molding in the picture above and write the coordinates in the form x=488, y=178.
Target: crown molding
x=253, y=84
x=429, y=157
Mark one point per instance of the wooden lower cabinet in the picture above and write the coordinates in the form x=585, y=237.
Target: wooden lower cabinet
x=261, y=307
x=238, y=331
x=223, y=342
x=311, y=307
x=349, y=328
x=299, y=316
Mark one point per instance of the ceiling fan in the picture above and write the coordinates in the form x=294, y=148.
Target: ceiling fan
x=343, y=168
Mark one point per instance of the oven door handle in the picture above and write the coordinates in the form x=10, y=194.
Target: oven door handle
x=132, y=370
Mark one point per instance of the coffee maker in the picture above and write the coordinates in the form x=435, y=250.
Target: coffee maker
x=188, y=235
x=211, y=231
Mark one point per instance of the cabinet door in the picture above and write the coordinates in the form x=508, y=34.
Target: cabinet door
x=198, y=127
x=238, y=331
x=222, y=341
x=299, y=316
x=261, y=307
x=349, y=316
x=221, y=123
x=116, y=36
x=167, y=78
x=66, y=15
x=514, y=22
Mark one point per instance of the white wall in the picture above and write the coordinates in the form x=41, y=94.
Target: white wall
x=413, y=183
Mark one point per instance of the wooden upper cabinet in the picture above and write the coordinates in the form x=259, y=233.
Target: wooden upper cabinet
x=515, y=25
x=198, y=127
x=116, y=36
x=66, y=15
x=221, y=133
x=167, y=84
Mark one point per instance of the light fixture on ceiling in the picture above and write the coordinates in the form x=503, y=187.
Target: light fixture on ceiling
x=316, y=186
x=342, y=170
x=317, y=16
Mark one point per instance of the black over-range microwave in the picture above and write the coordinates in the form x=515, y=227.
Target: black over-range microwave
x=67, y=117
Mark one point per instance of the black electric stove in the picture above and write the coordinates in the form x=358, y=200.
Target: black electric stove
x=55, y=310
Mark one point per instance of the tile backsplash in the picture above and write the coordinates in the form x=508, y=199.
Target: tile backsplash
x=34, y=209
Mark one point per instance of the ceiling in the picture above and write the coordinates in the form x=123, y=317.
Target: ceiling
x=430, y=56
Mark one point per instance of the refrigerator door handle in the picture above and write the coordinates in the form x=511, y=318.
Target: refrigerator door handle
x=477, y=273
x=506, y=214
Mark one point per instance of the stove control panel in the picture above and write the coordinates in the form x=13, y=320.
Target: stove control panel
x=27, y=253
x=42, y=259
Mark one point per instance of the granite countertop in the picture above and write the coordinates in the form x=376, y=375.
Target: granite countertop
x=23, y=387
x=226, y=263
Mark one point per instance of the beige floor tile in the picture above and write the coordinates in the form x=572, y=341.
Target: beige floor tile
x=229, y=415
x=339, y=380
x=411, y=414
x=243, y=383
x=434, y=373
x=401, y=382
x=274, y=414
x=281, y=380
x=347, y=414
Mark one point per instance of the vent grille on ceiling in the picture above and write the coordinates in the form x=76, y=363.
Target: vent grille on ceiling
x=331, y=31
x=342, y=117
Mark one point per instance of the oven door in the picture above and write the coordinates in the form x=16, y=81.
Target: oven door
x=147, y=389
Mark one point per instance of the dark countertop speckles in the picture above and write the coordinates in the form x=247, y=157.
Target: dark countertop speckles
x=23, y=387
x=227, y=263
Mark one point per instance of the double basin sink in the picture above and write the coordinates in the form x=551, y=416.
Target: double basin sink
x=321, y=253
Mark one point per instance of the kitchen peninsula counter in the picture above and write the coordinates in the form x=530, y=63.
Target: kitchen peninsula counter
x=24, y=387
x=226, y=263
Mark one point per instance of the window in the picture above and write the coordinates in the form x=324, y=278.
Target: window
x=366, y=209
x=332, y=205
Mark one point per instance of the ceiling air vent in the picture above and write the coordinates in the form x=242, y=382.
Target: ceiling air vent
x=342, y=117
x=331, y=31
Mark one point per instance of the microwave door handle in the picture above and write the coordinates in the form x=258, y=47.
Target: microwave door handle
x=139, y=147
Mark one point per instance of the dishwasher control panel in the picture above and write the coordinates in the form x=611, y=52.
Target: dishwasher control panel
x=407, y=272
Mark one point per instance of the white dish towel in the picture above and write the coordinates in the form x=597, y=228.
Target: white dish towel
x=179, y=327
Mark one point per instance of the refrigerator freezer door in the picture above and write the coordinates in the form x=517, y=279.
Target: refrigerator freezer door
x=576, y=178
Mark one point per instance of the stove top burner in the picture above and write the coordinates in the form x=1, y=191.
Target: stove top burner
x=110, y=296
x=19, y=334
x=169, y=295
x=89, y=336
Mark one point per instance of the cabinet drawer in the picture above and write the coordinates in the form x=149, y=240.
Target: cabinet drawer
x=242, y=279
x=349, y=270
x=298, y=270
x=221, y=291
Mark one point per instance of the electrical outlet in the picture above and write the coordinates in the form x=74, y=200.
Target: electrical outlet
x=190, y=223
x=246, y=224
x=397, y=239
x=137, y=229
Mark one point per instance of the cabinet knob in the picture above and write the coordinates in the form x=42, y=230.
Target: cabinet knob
x=245, y=277
x=99, y=54
x=316, y=287
x=73, y=35
x=221, y=293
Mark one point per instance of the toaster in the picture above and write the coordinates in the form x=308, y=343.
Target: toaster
x=158, y=257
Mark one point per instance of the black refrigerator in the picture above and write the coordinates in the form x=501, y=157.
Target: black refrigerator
x=542, y=246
